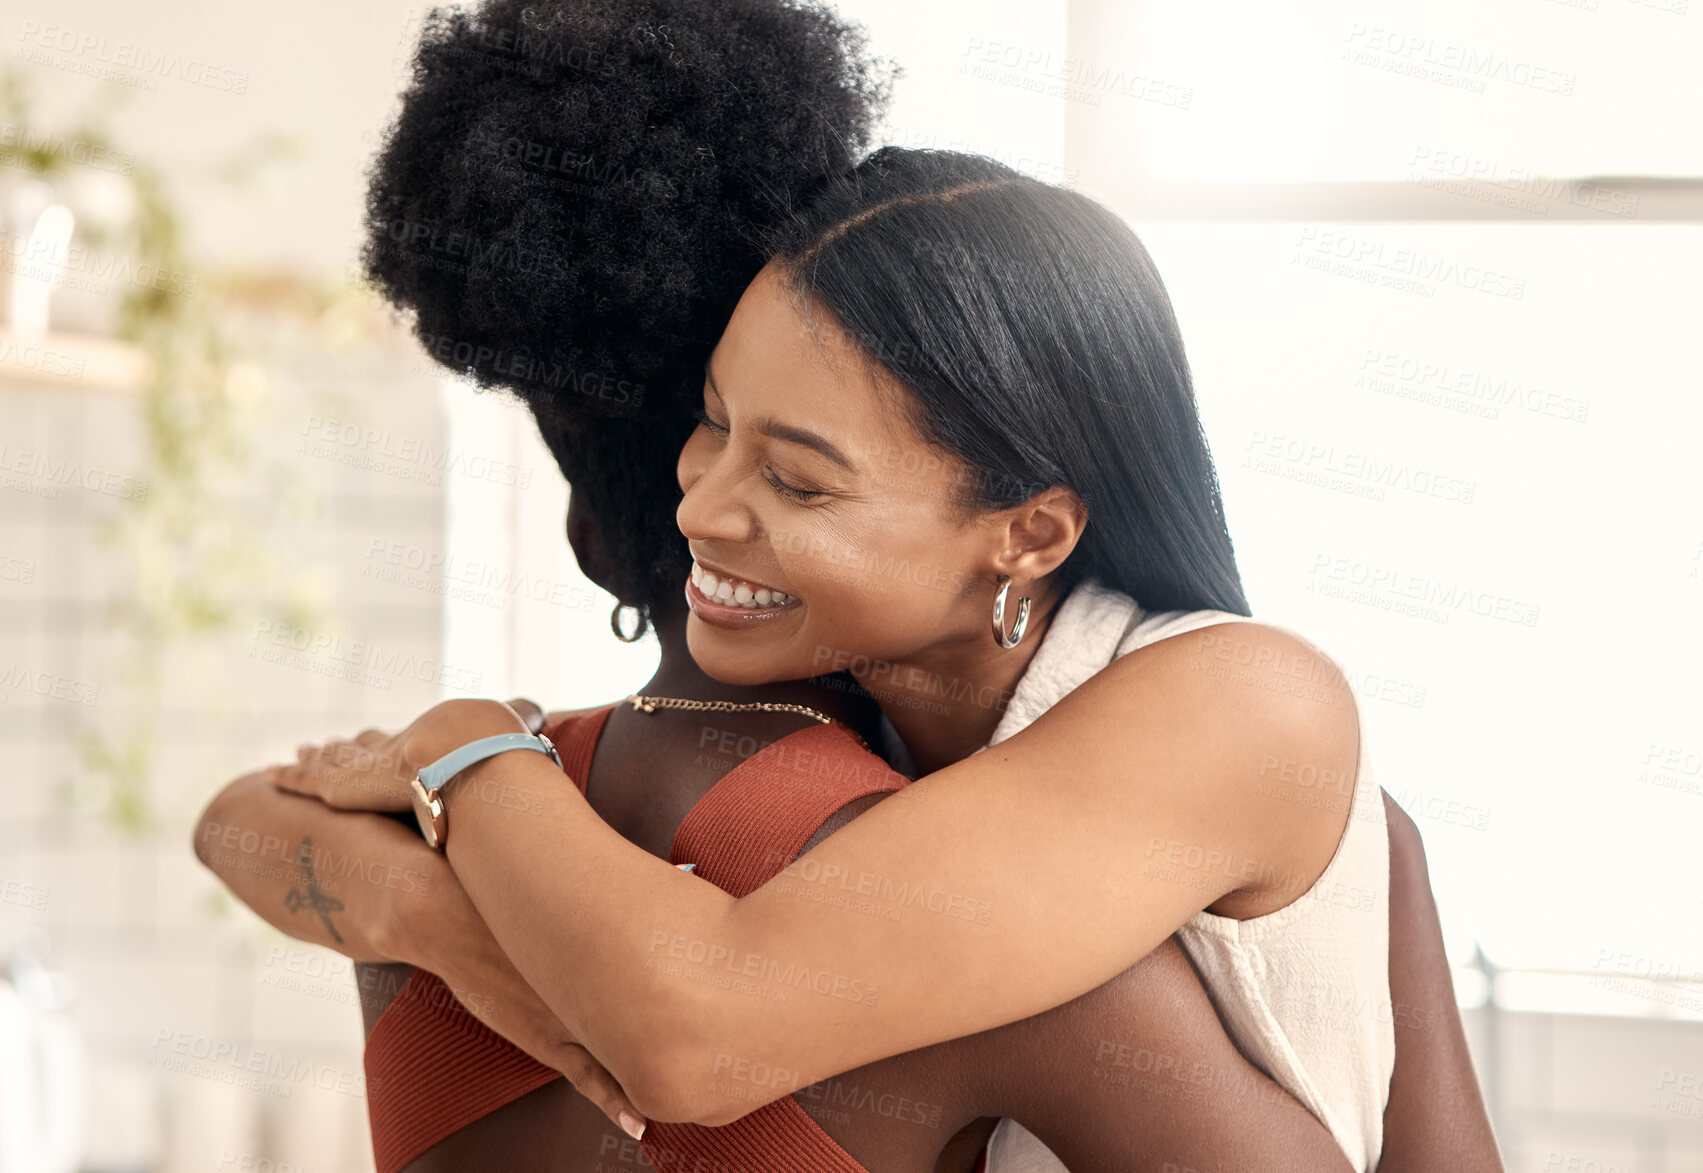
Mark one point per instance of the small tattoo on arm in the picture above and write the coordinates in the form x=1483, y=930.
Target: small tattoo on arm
x=312, y=898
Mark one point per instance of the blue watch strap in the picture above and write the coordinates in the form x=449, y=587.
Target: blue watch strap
x=441, y=771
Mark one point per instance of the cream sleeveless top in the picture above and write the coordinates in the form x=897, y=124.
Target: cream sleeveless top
x=1303, y=992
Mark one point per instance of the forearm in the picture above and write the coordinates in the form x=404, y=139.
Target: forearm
x=526, y=863
x=1024, y=861
x=330, y=878
x=372, y=875
x=1435, y=1118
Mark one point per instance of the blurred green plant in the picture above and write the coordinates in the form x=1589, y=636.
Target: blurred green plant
x=196, y=550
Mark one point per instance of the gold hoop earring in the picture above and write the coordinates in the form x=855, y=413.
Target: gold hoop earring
x=1016, y=636
x=615, y=625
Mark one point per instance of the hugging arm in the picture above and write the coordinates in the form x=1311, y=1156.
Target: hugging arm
x=1029, y=838
x=310, y=872
x=346, y=879
x=1148, y=1044
x=1435, y=1118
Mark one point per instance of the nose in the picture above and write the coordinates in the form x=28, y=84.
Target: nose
x=710, y=506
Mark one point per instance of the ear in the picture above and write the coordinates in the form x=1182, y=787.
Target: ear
x=1037, y=535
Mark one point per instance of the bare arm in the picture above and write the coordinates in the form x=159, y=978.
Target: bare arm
x=326, y=877
x=1435, y=1118
x=345, y=879
x=1033, y=838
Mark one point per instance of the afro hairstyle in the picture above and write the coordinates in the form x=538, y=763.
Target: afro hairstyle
x=573, y=196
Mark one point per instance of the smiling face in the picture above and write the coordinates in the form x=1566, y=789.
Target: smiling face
x=828, y=529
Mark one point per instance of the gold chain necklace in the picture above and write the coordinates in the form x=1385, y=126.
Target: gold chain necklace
x=650, y=704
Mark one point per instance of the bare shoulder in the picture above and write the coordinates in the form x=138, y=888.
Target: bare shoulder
x=1258, y=728
x=1264, y=684
x=557, y=716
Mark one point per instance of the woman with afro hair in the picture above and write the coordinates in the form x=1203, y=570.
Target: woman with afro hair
x=573, y=201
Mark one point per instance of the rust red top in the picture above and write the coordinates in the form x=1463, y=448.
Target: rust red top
x=749, y=826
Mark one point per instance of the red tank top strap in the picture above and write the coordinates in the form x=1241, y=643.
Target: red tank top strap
x=759, y=816
x=746, y=830
x=575, y=738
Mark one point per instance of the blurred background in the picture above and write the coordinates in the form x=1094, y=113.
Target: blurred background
x=1438, y=269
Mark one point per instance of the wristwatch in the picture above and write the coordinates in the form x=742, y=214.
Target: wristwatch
x=429, y=784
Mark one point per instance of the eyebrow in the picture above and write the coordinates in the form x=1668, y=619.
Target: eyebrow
x=774, y=429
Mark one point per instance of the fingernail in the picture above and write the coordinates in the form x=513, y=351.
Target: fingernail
x=632, y=1125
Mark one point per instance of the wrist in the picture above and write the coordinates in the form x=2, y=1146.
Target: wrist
x=403, y=932
x=452, y=724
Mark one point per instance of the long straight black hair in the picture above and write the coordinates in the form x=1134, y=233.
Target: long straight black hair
x=1039, y=347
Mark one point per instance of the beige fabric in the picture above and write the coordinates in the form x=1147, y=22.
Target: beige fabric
x=1303, y=992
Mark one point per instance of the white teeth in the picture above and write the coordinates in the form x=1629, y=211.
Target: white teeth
x=731, y=594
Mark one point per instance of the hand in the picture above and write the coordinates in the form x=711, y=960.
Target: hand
x=366, y=773
x=375, y=771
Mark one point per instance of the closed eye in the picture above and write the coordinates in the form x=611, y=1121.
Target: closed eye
x=791, y=492
x=787, y=490
x=703, y=417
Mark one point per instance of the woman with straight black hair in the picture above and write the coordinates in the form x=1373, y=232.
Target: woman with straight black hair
x=955, y=393
x=615, y=166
